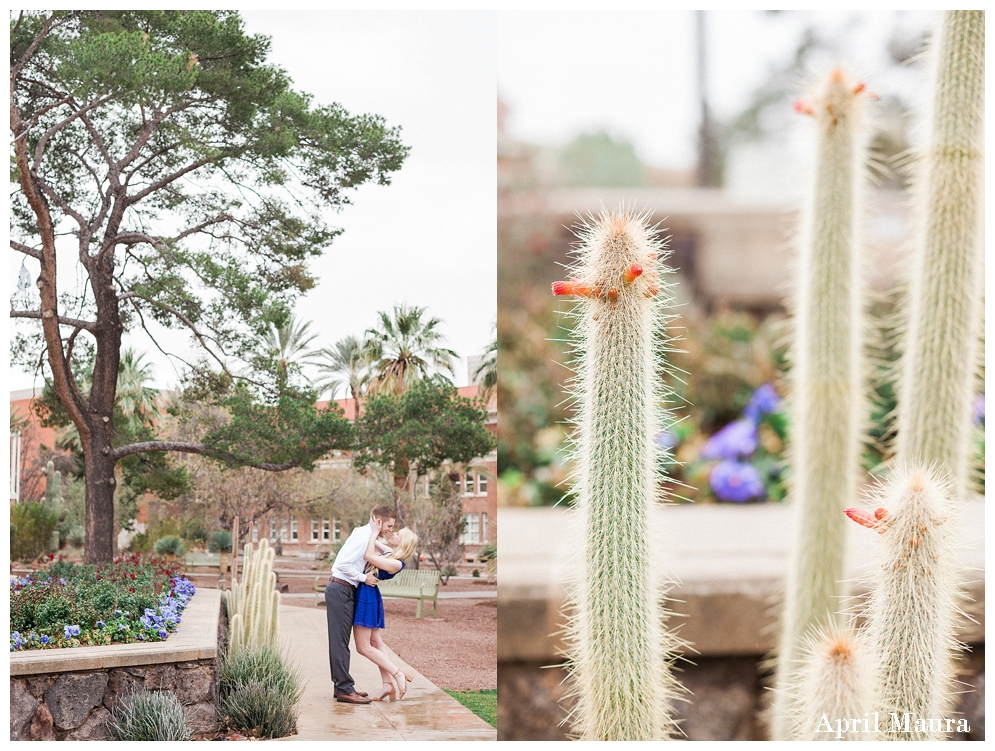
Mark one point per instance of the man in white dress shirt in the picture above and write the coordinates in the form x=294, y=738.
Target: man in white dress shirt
x=348, y=571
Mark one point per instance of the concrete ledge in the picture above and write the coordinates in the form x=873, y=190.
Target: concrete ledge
x=195, y=639
x=729, y=562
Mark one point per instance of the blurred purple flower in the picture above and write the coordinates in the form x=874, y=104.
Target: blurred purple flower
x=666, y=439
x=763, y=401
x=736, y=439
x=979, y=411
x=736, y=481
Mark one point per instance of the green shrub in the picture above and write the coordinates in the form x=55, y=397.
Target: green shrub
x=31, y=527
x=476, y=573
x=450, y=569
x=259, y=710
x=258, y=693
x=169, y=546
x=77, y=537
x=195, y=531
x=219, y=542
x=140, y=543
x=487, y=552
x=150, y=716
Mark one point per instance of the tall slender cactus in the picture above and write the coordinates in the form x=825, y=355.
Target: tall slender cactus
x=828, y=396
x=620, y=650
x=938, y=367
x=835, y=688
x=253, y=602
x=912, y=610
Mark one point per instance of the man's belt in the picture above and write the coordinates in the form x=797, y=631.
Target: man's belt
x=343, y=581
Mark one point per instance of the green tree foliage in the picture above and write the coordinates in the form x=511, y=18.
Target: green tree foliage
x=31, y=526
x=345, y=365
x=421, y=429
x=598, y=159
x=193, y=180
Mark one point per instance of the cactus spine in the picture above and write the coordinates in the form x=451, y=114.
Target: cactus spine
x=828, y=399
x=913, y=604
x=835, y=689
x=945, y=304
x=253, y=603
x=620, y=652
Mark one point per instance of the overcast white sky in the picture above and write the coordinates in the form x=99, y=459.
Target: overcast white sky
x=429, y=238
x=633, y=72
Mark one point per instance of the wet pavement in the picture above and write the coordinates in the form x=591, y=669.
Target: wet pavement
x=426, y=713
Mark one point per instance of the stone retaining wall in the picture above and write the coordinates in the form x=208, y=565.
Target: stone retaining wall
x=68, y=694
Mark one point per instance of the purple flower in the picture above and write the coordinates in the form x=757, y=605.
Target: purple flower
x=100, y=624
x=162, y=633
x=763, y=401
x=736, y=439
x=979, y=411
x=736, y=481
x=71, y=631
x=666, y=439
x=45, y=639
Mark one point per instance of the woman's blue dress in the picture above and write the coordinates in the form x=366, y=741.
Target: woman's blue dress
x=369, y=603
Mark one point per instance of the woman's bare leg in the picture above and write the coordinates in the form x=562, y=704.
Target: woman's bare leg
x=365, y=647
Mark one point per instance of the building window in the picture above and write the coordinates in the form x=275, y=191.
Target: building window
x=337, y=530
x=468, y=484
x=255, y=533
x=471, y=532
x=324, y=530
x=481, y=484
x=314, y=530
x=483, y=528
x=293, y=530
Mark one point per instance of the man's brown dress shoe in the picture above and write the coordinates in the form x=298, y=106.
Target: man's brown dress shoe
x=353, y=698
x=361, y=693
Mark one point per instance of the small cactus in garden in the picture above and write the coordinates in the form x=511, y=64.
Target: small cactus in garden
x=620, y=651
x=828, y=400
x=834, y=686
x=253, y=602
x=53, y=484
x=912, y=610
x=945, y=307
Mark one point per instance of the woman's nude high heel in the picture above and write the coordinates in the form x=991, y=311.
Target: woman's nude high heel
x=388, y=690
x=402, y=683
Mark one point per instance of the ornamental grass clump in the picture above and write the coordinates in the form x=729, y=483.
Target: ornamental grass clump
x=258, y=693
x=827, y=400
x=170, y=545
x=620, y=653
x=150, y=716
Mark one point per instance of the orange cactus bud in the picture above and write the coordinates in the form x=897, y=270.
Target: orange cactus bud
x=858, y=88
x=803, y=108
x=573, y=287
x=632, y=273
x=613, y=295
x=873, y=521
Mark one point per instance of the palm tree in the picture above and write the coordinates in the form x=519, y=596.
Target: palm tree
x=289, y=343
x=404, y=349
x=487, y=371
x=344, y=364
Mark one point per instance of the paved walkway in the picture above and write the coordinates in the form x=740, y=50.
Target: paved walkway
x=427, y=713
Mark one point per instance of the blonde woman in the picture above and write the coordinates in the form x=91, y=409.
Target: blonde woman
x=368, y=623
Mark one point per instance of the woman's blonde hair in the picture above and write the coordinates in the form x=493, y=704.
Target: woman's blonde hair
x=409, y=541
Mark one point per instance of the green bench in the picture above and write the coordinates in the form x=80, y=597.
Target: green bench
x=195, y=560
x=422, y=585
x=409, y=584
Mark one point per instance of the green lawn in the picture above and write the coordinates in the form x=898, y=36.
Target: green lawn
x=482, y=703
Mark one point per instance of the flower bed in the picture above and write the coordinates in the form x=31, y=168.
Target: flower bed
x=68, y=605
